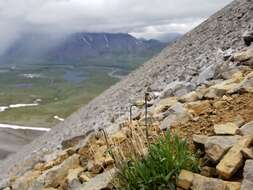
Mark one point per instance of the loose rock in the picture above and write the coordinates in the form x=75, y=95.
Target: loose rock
x=188, y=180
x=175, y=114
x=217, y=146
x=56, y=175
x=247, y=128
x=247, y=182
x=226, y=129
x=233, y=160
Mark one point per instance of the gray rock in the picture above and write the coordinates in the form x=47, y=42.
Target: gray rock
x=206, y=74
x=177, y=88
x=176, y=113
x=247, y=128
x=247, y=183
x=101, y=181
x=200, y=139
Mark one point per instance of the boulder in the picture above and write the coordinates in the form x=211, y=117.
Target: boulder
x=247, y=83
x=226, y=129
x=200, y=139
x=177, y=88
x=199, y=107
x=206, y=74
x=247, y=128
x=217, y=146
x=247, y=37
x=244, y=57
x=218, y=90
x=190, y=97
x=56, y=175
x=233, y=160
x=101, y=181
x=185, y=179
x=247, y=182
x=206, y=183
x=25, y=181
x=164, y=104
x=176, y=114
x=188, y=180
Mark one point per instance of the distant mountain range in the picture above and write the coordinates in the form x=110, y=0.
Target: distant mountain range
x=82, y=48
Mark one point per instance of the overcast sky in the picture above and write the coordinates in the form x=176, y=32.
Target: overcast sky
x=141, y=18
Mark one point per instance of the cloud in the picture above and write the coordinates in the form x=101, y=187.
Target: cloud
x=142, y=18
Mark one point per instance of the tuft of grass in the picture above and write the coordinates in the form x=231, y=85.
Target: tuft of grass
x=159, y=169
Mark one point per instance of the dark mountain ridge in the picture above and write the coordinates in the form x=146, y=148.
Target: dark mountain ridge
x=78, y=47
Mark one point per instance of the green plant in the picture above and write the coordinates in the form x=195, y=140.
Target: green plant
x=160, y=168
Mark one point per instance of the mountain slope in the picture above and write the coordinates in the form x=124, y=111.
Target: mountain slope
x=183, y=61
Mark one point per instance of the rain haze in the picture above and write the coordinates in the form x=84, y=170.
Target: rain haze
x=143, y=18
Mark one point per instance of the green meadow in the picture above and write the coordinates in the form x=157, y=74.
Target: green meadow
x=62, y=89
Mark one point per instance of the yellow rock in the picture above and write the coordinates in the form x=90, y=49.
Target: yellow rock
x=199, y=107
x=185, y=179
x=188, y=180
x=165, y=104
x=190, y=97
x=226, y=129
x=233, y=160
x=244, y=56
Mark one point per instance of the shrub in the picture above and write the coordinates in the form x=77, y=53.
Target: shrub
x=160, y=168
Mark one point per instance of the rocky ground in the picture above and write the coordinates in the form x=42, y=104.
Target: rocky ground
x=216, y=117
x=214, y=60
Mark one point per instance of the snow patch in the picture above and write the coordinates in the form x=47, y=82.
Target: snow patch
x=22, y=105
x=86, y=41
x=23, y=127
x=31, y=76
x=3, y=108
x=58, y=118
x=106, y=41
